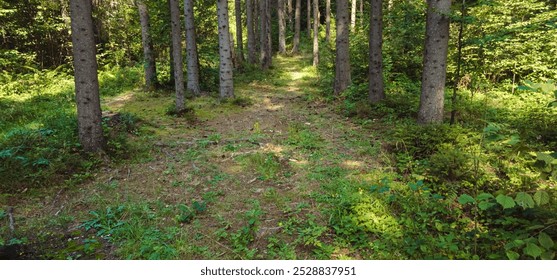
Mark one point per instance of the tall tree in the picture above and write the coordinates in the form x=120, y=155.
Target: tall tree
x=149, y=65
x=435, y=62
x=239, y=27
x=353, y=15
x=297, y=19
x=250, y=17
x=342, y=59
x=86, y=79
x=309, y=18
x=192, y=65
x=265, y=55
x=328, y=21
x=282, y=27
x=177, y=54
x=376, y=88
x=225, y=53
x=290, y=15
x=315, y=32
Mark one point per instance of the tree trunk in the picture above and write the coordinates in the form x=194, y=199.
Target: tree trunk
x=362, y=12
x=239, y=37
x=170, y=50
x=86, y=79
x=282, y=27
x=252, y=49
x=290, y=18
x=191, y=50
x=297, y=19
x=315, y=32
x=328, y=21
x=263, y=37
x=149, y=65
x=376, y=89
x=269, y=28
x=226, y=82
x=353, y=16
x=177, y=54
x=435, y=62
x=342, y=59
x=309, y=18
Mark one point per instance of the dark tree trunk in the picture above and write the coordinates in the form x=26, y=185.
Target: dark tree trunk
x=297, y=19
x=376, y=89
x=177, y=54
x=239, y=37
x=252, y=49
x=328, y=21
x=86, y=79
x=191, y=50
x=265, y=58
x=342, y=60
x=148, y=54
x=435, y=62
x=309, y=18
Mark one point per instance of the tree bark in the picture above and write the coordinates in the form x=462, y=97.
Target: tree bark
x=376, y=88
x=315, y=32
x=226, y=74
x=282, y=27
x=239, y=37
x=297, y=19
x=265, y=59
x=342, y=59
x=149, y=65
x=309, y=18
x=85, y=77
x=353, y=15
x=289, y=12
x=177, y=54
x=252, y=49
x=192, y=64
x=328, y=21
x=435, y=62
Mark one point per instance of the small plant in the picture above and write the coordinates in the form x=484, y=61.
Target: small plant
x=242, y=238
x=304, y=138
x=187, y=214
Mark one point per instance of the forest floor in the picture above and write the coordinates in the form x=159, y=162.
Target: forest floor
x=232, y=182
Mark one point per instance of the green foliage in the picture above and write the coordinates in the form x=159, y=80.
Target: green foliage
x=187, y=214
x=242, y=238
x=301, y=136
x=266, y=165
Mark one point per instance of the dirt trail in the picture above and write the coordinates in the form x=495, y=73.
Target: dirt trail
x=234, y=184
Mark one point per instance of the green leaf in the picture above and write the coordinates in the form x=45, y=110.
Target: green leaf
x=484, y=196
x=548, y=255
x=525, y=200
x=505, y=201
x=484, y=205
x=464, y=199
x=532, y=250
x=545, y=240
x=541, y=198
x=515, y=139
x=512, y=255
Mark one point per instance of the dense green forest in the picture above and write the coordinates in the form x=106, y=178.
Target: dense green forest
x=288, y=129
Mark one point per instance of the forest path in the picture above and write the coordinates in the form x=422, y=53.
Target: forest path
x=232, y=183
